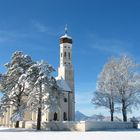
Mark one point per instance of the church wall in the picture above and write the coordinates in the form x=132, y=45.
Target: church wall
x=27, y=115
x=60, y=110
x=65, y=47
x=66, y=71
x=64, y=106
x=34, y=117
x=8, y=117
x=81, y=126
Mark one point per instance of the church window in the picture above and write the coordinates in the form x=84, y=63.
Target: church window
x=64, y=116
x=61, y=55
x=69, y=55
x=65, y=100
x=55, y=116
x=65, y=54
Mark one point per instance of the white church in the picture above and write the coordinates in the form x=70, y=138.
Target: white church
x=65, y=81
x=64, y=117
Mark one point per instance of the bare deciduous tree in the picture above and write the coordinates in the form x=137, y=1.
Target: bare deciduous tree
x=119, y=82
x=105, y=94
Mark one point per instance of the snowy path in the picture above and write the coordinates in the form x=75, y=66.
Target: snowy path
x=8, y=134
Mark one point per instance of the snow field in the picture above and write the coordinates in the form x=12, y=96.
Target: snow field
x=13, y=134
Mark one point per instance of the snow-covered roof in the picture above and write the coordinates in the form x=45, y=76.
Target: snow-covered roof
x=62, y=84
x=66, y=36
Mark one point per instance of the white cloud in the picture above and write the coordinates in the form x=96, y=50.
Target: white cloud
x=83, y=98
x=111, y=46
x=84, y=105
x=83, y=102
x=40, y=27
x=43, y=28
x=11, y=35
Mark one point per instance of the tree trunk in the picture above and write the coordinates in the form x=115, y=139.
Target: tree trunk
x=39, y=119
x=111, y=102
x=124, y=113
x=112, y=117
x=39, y=108
x=17, y=124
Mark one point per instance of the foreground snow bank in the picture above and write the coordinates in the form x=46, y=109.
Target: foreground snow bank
x=25, y=134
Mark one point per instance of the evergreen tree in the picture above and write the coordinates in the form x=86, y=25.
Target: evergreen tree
x=44, y=90
x=11, y=86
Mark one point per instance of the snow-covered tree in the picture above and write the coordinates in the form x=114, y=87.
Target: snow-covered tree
x=104, y=96
x=43, y=87
x=11, y=86
x=127, y=83
x=120, y=82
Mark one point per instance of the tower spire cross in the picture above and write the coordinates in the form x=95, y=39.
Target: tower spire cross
x=66, y=29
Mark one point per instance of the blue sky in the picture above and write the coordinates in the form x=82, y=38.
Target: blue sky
x=99, y=28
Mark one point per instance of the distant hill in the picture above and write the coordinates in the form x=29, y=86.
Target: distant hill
x=82, y=117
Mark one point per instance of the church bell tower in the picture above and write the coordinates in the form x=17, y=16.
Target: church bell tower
x=66, y=71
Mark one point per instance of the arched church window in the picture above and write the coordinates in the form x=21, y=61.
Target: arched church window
x=55, y=116
x=64, y=116
x=65, y=54
x=69, y=55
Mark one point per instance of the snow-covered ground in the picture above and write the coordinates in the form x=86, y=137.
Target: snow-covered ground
x=24, y=134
